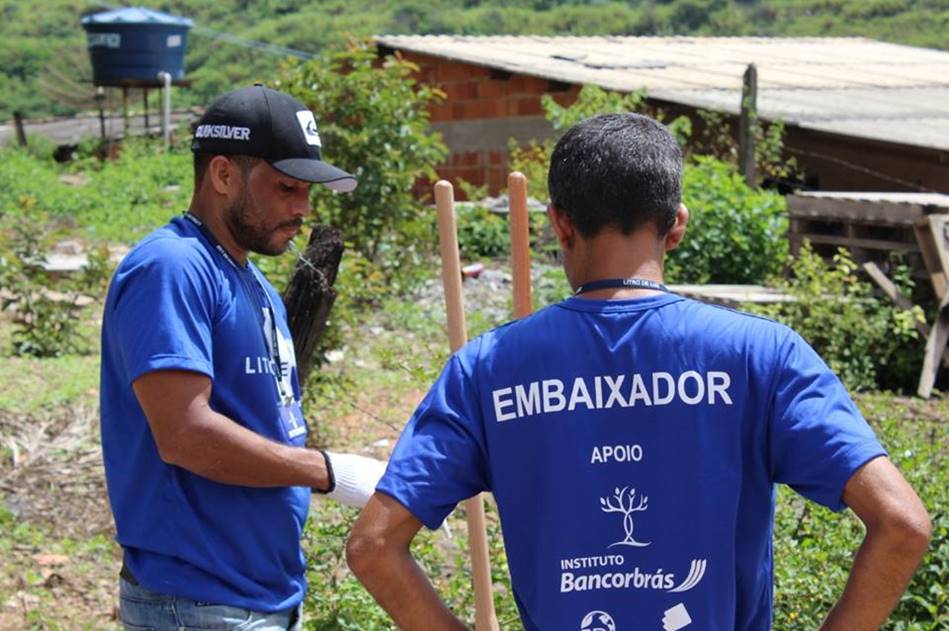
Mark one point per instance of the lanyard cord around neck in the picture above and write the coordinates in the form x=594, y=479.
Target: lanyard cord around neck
x=273, y=348
x=620, y=283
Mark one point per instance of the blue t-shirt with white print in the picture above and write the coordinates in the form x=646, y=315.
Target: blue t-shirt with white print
x=632, y=447
x=175, y=303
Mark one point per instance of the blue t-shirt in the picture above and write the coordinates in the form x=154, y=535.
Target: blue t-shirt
x=176, y=304
x=632, y=447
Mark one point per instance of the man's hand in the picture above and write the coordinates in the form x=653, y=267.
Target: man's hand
x=354, y=478
x=378, y=554
x=898, y=531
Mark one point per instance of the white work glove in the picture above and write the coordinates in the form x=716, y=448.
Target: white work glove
x=353, y=478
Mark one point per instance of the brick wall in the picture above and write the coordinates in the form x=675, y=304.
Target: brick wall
x=502, y=105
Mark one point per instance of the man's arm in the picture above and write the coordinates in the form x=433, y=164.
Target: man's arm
x=378, y=554
x=189, y=434
x=898, y=531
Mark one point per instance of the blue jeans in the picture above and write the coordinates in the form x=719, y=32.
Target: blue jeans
x=143, y=609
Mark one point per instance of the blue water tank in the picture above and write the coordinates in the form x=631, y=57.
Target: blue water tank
x=132, y=45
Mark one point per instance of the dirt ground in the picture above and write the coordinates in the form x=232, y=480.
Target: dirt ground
x=60, y=568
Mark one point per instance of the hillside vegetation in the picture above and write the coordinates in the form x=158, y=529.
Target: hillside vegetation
x=44, y=67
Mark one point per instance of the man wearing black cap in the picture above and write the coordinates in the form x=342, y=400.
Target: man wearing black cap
x=202, y=431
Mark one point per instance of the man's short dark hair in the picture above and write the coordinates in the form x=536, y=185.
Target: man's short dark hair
x=202, y=160
x=617, y=171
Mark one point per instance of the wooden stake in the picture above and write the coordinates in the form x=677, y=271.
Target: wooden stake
x=20, y=130
x=747, y=122
x=520, y=244
x=485, y=617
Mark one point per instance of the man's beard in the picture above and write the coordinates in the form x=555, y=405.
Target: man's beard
x=249, y=236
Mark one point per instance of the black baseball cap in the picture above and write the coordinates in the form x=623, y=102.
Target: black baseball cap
x=271, y=125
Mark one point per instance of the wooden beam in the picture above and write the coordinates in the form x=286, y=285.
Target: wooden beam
x=856, y=242
x=864, y=212
x=935, y=345
x=932, y=245
x=893, y=293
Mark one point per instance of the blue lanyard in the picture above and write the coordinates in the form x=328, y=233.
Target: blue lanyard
x=273, y=348
x=620, y=283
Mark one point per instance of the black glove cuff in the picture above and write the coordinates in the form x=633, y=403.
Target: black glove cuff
x=330, y=476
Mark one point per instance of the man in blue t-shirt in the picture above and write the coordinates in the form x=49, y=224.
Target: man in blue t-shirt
x=632, y=438
x=202, y=431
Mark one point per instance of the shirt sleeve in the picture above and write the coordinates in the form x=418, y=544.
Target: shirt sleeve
x=440, y=458
x=163, y=317
x=818, y=437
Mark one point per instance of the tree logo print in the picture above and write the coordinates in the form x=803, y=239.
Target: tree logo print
x=623, y=501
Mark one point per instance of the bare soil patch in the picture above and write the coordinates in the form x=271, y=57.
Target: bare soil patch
x=60, y=570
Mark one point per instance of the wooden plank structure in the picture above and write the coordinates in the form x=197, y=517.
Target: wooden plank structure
x=732, y=295
x=871, y=225
x=874, y=225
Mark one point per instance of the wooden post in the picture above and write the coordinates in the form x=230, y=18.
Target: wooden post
x=125, y=111
x=310, y=295
x=485, y=616
x=20, y=130
x=100, y=102
x=932, y=235
x=520, y=244
x=145, y=101
x=747, y=124
x=935, y=258
x=165, y=78
x=935, y=346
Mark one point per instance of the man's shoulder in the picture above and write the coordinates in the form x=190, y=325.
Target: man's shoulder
x=681, y=322
x=167, y=246
x=730, y=315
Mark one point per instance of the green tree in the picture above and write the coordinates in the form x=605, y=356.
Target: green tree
x=374, y=122
x=860, y=335
x=736, y=233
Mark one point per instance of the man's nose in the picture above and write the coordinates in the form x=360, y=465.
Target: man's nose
x=301, y=206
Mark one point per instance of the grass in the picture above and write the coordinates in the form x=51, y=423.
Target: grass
x=28, y=384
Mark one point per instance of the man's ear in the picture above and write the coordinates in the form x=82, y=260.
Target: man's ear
x=223, y=175
x=675, y=235
x=563, y=227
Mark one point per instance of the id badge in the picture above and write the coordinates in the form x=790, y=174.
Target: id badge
x=294, y=425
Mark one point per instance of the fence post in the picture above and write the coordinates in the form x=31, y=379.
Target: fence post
x=20, y=131
x=165, y=78
x=100, y=103
x=747, y=124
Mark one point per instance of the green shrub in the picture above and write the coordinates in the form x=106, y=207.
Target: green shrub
x=735, y=233
x=858, y=334
x=374, y=122
x=46, y=312
x=715, y=138
x=814, y=547
x=481, y=233
x=117, y=200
